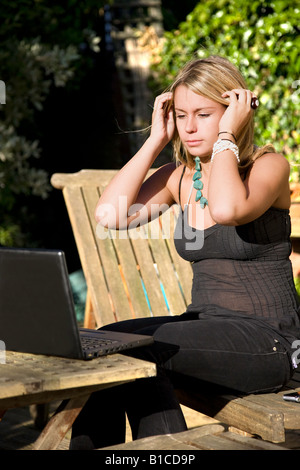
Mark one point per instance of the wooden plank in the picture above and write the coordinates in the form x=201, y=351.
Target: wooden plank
x=182, y=267
x=89, y=255
x=231, y=441
x=59, y=424
x=127, y=294
x=89, y=315
x=86, y=178
x=96, y=178
x=106, y=251
x=250, y=442
x=49, y=396
x=125, y=261
x=26, y=376
x=186, y=440
x=129, y=266
x=149, y=276
x=82, y=178
x=206, y=437
x=271, y=400
x=117, y=289
x=275, y=403
x=165, y=269
x=235, y=411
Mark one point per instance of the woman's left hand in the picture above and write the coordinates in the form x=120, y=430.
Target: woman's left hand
x=238, y=112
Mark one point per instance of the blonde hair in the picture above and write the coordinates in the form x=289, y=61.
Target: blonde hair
x=211, y=77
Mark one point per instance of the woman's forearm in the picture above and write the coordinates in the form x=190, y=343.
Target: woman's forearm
x=226, y=191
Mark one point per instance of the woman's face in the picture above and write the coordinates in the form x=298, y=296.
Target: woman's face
x=197, y=121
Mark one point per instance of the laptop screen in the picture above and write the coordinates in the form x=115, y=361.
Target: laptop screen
x=36, y=303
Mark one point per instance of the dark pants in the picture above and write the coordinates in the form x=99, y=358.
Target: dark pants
x=227, y=352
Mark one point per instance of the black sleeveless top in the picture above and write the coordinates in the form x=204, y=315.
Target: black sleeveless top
x=244, y=271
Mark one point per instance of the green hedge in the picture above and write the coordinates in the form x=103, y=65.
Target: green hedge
x=262, y=39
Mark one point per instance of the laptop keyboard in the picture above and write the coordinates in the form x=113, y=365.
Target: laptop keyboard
x=95, y=343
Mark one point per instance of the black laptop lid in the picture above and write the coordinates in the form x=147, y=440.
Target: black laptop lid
x=36, y=304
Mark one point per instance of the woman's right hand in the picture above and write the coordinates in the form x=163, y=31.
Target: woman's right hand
x=163, y=125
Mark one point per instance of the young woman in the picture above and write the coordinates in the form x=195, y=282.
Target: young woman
x=244, y=316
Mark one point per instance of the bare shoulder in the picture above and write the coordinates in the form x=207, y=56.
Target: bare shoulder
x=161, y=174
x=272, y=162
x=174, y=181
x=169, y=175
x=271, y=171
x=166, y=170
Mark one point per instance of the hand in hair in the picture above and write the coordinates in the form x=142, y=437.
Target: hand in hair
x=238, y=112
x=163, y=125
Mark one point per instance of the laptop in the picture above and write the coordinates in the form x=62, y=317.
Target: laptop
x=37, y=313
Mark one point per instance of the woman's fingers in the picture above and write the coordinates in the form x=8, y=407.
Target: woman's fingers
x=232, y=95
x=243, y=96
x=162, y=118
x=161, y=100
x=238, y=111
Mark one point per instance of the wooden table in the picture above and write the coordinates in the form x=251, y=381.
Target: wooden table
x=27, y=379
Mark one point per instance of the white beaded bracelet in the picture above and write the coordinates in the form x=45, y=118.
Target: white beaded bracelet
x=222, y=145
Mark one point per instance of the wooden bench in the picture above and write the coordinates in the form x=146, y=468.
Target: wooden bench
x=138, y=273
x=206, y=437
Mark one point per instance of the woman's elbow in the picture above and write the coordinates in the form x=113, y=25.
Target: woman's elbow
x=106, y=216
x=223, y=215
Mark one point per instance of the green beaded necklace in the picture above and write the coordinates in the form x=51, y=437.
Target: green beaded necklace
x=198, y=184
